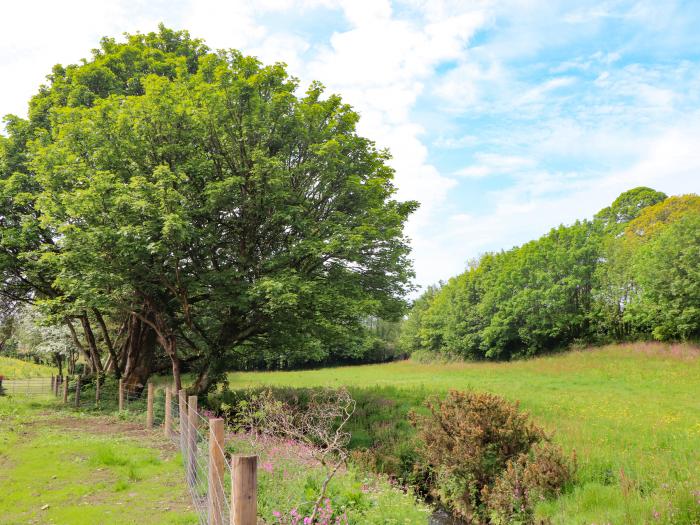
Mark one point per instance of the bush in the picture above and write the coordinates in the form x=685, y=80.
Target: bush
x=476, y=447
x=531, y=478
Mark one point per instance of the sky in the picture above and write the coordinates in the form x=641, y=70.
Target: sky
x=504, y=118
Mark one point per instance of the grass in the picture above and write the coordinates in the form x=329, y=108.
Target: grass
x=630, y=412
x=16, y=369
x=69, y=468
x=289, y=480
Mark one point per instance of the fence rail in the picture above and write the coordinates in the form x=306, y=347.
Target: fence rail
x=222, y=491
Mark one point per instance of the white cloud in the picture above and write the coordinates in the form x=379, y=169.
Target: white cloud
x=570, y=134
x=495, y=164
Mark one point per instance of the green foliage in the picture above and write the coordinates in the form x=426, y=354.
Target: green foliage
x=469, y=442
x=198, y=191
x=628, y=206
x=667, y=269
x=591, y=282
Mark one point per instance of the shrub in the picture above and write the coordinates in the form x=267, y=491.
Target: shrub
x=532, y=477
x=475, y=447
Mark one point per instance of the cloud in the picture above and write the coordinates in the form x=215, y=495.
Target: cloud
x=504, y=117
x=495, y=164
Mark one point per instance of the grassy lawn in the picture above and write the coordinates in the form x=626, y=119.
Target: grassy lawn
x=62, y=467
x=631, y=413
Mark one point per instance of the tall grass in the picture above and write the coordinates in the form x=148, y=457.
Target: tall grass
x=12, y=368
x=630, y=412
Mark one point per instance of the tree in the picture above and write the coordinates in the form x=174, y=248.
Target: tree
x=589, y=282
x=212, y=210
x=668, y=272
x=628, y=206
x=35, y=335
x=27, y=241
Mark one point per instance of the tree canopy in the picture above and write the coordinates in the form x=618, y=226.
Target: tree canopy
x=192, y=203
x=631, y=272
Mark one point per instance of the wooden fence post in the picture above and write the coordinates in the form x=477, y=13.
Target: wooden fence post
x=244, y=488
x=59, y=381
x=149, y=407
x=192, y=416
x=65, y=391
x=121, y=395
x=184, y=423
x=97, y=390
x=77, y=392
x=216, y=472
x=168, y=423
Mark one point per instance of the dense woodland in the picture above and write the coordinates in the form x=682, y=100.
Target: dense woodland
x=172, y=208
x=633, y=272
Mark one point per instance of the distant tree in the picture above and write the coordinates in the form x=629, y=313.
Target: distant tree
x=628, y=206
x=50, y=343
x=589, y=282
x=668, y=272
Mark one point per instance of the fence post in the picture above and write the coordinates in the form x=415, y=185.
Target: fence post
x=97, y=390
x=168, y=423
x=184, y=423
x=77, y=392
x=244, y=488
x=65, y=391
x=53, y=382
x=192, y=416
x=121, y=395
x=59, y=381
x=216, y=472
x=149, y=407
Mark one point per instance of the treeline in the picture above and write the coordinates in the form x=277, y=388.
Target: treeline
x=633, y=272
x=171, y=207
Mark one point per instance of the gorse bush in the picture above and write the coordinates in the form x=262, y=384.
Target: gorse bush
x=485, y=460
x=535, y=476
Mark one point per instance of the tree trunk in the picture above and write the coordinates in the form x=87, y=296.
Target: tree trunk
x=139, y=352
x=76, y=341
x=92, y=344
x=114, y=363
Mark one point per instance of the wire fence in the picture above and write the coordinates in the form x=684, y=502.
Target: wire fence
x=208, y=470
x=35, y=386
x=208, y=484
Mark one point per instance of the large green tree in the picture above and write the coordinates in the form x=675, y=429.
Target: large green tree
x=216, y=211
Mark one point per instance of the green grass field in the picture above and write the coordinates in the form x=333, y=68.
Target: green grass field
x=62, y=467
x=631, y=413
x=16, y=369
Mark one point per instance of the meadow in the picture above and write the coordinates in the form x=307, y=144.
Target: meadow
x=630, y=413
x=15, y=369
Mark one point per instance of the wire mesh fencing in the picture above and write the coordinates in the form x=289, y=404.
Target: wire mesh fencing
x=207, y=472
x=211, y=480
x=34, y=386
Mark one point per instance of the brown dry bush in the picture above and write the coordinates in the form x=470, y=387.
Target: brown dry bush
x=532, y=477
x=470, y=441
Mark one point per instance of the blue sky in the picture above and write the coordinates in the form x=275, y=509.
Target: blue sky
x=504, y=118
